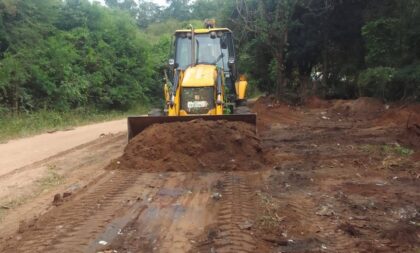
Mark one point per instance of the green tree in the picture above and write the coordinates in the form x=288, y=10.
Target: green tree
x=270, y=21
x=66, y=55
x=178, y=9
x=392, y=53
x=148, y=13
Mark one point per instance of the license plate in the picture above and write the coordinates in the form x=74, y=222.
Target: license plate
x=197, y=104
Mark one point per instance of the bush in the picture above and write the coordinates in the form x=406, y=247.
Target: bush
x=71, y=54
x=377, y=82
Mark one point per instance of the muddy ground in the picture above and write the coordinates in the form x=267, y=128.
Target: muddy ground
x=329, y=176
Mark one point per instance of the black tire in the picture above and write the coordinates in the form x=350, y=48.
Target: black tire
x=242, y=110
x=241, y=102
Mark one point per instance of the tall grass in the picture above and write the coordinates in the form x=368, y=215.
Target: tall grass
x=27, y=124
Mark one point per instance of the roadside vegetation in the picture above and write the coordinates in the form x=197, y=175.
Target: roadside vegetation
x=64, y=63
x=333, y=49
x=386, y=150
x=27, y=124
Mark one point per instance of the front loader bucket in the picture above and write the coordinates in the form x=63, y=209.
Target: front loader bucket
x=137, y=124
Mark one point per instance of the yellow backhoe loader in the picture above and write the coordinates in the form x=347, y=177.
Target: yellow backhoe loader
x=202, y=81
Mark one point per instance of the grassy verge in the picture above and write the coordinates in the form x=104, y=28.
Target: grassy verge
x=387, y=150
x=49, y=181
x=27, y=124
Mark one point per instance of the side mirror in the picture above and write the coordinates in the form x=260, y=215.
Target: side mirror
x=231, y=61
x=171, y=63
x=232, y=66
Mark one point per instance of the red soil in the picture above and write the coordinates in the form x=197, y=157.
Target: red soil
x=194, y=146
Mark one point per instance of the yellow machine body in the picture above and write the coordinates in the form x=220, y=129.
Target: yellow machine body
x=199, y=76
x=199, y=88
x=240, y=87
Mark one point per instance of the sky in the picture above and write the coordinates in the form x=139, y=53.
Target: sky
x=160, y=2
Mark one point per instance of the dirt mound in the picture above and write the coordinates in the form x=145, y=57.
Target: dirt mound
x=416, y=157
x=411, y=136
x=315, y=102
x=400, y=116
x=405, y=118
x=271, y=111
x=361, y=108
x=197, y=145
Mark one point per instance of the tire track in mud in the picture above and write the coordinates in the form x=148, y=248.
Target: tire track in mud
x=85, y=237
x=236, y=212
x=303, y=214
x=177, y=215
x=300, y=208
x=71, y=226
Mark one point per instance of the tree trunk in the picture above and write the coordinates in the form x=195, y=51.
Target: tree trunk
x=305, y=89
x=324, y=80
x=279, y=58
x=314, y=91
x=14, y=98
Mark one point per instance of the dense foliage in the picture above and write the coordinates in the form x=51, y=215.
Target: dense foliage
x=63, y=55
x=71, y=54
x=346, y=48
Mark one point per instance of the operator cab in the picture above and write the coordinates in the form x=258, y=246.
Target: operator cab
x=203, y=67
x=213, y=46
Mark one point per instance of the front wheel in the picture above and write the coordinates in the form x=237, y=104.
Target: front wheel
x=242, y=110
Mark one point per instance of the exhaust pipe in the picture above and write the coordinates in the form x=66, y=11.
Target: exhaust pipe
x=192, y=46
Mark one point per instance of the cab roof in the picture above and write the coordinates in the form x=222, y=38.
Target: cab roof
x=204, y=30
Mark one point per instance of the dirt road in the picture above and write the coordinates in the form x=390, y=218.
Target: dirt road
x=18, y=153
x=328, y=178
x=33, y=170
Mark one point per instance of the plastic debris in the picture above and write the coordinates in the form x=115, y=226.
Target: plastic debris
x=325, y=211
x=103, y=243
x=245, y=225
x=216, y=196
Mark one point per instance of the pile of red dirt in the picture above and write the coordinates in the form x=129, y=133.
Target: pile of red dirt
x=412, y=131
x=197, y=145
x=400, y=116
x=405, y=118
x=416, y=157
x=315, y=102
x=361, y=108
x=271, y=111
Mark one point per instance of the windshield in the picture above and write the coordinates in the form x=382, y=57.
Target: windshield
x=208, y=51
